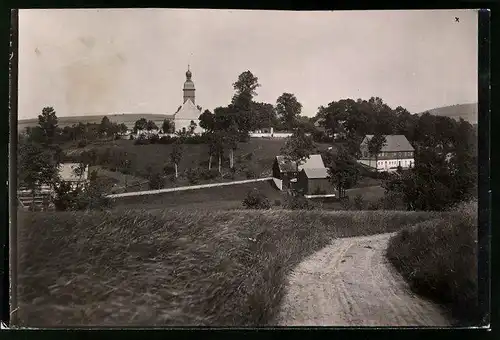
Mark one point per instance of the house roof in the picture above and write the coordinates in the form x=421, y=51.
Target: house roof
x=188, y=110
x=393, y=143
x=316, y=172
x=67, y=173
x=314, y=161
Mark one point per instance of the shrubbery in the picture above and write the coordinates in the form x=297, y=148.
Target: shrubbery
x=256, y=200
x=439, y=260
x=298, y=202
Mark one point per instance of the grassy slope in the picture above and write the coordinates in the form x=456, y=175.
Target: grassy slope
x=225, y=197
x=196, y=155
x=439, y=260
x=173, y=267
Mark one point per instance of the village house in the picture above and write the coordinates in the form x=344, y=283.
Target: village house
x=68, y=172
x=286, y=174
x=397, y=151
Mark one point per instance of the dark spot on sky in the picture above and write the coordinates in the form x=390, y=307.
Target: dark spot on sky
x=89, y=42
x=38, y=52
x=457, y=19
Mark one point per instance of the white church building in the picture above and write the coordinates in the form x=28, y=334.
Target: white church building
x=188, y=112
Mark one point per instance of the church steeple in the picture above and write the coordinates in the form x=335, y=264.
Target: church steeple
x=189, y=88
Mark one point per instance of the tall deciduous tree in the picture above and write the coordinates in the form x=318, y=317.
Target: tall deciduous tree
x=241, y=103
x=232, y=137
x=48, y=124
x=288, y=109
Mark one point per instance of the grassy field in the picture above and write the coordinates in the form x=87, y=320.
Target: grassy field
x=439, y=259
x=224, y=197
x=174, y=266
x=256, y=155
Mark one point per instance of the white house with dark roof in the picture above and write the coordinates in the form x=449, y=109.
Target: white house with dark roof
x=397, y=151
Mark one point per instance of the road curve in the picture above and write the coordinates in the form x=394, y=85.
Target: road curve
x=351, y=283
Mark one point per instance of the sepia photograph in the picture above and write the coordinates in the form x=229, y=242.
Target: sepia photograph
x=246, y=168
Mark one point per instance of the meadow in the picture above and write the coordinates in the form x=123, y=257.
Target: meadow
x=439, y=258
x=174, y=267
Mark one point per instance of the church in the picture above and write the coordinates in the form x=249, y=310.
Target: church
x=188, y=112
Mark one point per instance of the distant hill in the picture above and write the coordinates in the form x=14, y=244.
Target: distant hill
x=466, y=111
x=128, y=119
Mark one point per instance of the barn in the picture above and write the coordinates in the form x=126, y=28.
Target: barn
x=314, y=181
x=287, y=171
x=284, y=170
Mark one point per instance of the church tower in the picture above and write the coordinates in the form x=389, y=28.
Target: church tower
x=188, y=87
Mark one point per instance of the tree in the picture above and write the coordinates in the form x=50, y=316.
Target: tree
x=48, y=124
x=105, y=128
x=167, y=126
x=176, y=155
x=36, y=166
x=375, y=145
x=298, y=147
x=288, y=109
x=245, y=87
x=232, y=137
x=207, y=121
x=140, y=124
x=265, y=115
x=192, y=127
x=343, y=170
x=122, y=128
x=150, y=125
x=241, y=103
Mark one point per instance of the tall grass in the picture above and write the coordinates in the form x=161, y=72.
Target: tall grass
x=439, y=260
x=173, y=267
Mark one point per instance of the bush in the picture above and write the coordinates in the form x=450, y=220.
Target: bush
x=250, y=174
x=167, y=140
x=156, y=181
x=256, y=200
x=210, y=174
x=154, y=139
x=298, y=202
x=88, y=196
x=142, y=140
x=359, y=203
x=439, y=260
x=193, y=176
x=82, y=143
x=277, y=203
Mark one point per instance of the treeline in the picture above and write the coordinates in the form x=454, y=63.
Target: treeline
x=48, y=130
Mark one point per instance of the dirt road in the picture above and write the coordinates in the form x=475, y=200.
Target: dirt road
x=351, y=283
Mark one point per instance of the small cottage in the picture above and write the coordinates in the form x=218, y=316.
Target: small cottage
x=287, y=171
x=314, y=181
x=68, y=173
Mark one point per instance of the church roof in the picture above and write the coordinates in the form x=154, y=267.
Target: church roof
x=188, y=110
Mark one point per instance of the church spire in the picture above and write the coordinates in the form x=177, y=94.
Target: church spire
x=189, y=87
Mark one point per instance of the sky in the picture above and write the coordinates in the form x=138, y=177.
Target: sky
x=97, y=61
